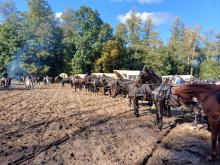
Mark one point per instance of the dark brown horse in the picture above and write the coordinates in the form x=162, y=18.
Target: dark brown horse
x=109, y=84
x=77, y=82
x=93, y=83
x=152, y=83
x=121, y=87
x=209, y=96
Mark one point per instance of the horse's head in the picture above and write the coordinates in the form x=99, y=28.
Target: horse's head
x=148, y=76
x=143, y=76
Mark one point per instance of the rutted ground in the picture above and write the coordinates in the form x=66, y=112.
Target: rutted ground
x=55, y=125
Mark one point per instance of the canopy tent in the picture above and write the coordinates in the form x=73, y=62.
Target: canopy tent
x=63, y=75
x=127, y=74
x=112, y=75
x=80, y=75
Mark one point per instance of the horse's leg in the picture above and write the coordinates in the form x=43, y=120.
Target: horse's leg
x=160, y=112
x=195, y=120
x=95, y=90
x=214, y=123
x=169, y=111
x=135, y=103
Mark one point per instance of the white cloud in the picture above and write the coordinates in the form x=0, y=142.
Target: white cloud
x=140, y=1
x=58, y=14
x=157, y=17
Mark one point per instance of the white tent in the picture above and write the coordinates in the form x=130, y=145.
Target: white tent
x=112, y=75
x=80, y=75
x=128, y=74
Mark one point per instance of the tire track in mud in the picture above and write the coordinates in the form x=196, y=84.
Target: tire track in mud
x=144, y=161
x=10, y=94
x=10, y=103
x=24, y=131
x=34, y=102
x=22, y=104
x=81, y=128
x=60, y=141
x=87, y=116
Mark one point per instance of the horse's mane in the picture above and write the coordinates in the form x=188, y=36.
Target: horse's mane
x=157, y=79
x=190, y=90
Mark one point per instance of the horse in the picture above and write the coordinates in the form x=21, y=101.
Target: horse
x=66, y=81
x=96, y=84
x=155, y=89
x=121, y=87
x=6, y=82
x=93, y=83
x=77, y=82
x=209, y=96
x=108, y=85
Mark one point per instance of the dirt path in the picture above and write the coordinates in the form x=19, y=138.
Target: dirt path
x=54, y=125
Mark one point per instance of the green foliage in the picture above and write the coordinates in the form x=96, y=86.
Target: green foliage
x=210, y=70
x=110, y=57
x=10, y=33
x=43, y=38
x=90, y=34
x=81, y=42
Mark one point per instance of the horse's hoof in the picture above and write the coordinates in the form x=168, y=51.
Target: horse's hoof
x=211, y=157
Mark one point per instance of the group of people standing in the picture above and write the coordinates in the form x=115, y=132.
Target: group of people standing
x=31, y=81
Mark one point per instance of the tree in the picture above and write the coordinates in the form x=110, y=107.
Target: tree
x=110, y=56
x=210, y=70
x=69, y=40
x=87, y=25
x=105, y=34
x=10, y=29
x=121, y=35
x=152, y=46
x=175, y=48
x=191, y=39
x=43, y=39
x=134, y=50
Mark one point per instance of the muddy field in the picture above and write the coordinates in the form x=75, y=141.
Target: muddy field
x=55, y=125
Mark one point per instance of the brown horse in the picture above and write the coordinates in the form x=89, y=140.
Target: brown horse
x=77, y=82
x=209, y=96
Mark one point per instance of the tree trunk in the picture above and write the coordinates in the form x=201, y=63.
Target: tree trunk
x=192, y=59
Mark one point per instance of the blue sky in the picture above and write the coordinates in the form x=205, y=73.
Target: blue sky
x=203, y=12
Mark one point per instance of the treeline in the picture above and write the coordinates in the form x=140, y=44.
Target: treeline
x=81, y=42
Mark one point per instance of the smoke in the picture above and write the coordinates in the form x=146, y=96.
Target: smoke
x=15, y=66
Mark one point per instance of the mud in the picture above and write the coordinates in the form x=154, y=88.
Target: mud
x=55, y=125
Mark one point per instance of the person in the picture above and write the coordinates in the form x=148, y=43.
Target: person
x=179, y=80
x=27, y=82
x=45, y=81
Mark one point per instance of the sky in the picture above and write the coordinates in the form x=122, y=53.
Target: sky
x=205, y=13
